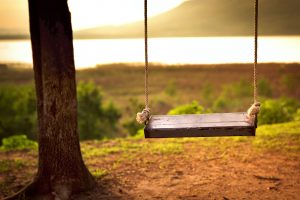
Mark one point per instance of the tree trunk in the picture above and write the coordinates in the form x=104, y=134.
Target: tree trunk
x=61, y=170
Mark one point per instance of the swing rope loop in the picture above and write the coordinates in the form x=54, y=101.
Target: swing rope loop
x=143, y=117
x=255, y=107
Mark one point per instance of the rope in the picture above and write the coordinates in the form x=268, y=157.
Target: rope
x=143, y=117
x=255, y=107
x=255, y=51
x=146, y=51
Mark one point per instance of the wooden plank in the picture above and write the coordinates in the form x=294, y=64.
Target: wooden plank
x=199, y=125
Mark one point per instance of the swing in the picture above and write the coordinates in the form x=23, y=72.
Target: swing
x=200, y=125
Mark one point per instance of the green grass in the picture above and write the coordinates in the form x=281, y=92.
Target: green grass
x=284, y=136
x=165, y=148
x=7, y=165
x=99, y=173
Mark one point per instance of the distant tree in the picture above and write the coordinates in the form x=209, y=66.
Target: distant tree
x=95, y=121
x=61, y=170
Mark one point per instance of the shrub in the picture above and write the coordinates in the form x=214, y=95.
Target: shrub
x=297, y=115
x=171, y=89
x=264, y=88
x=18, y=142
x=277, y=111
x=289, y=82
x=221, y=104
x=95, y=121
x=130, y=124
x=207, y=93
x=192, y=108
x=241, y=89
x=18, y=111
x=233, y=97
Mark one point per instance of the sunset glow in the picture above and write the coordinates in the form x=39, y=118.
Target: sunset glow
x=209, y=50
x=86, y=14
x=91, y=13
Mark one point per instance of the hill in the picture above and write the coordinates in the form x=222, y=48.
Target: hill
x=211, y=18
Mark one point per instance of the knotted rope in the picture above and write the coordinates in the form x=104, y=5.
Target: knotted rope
x=255, y=108
x=253, y=112
x=144, y=116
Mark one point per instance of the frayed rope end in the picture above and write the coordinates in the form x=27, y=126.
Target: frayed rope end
x=143, y=117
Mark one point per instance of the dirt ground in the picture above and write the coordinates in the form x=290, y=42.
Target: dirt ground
x=199, y=172
x=191, y=175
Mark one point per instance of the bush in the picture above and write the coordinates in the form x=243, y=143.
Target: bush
x=131, y=124
x=232, y=97
x=264, y=88
x=207, y=93
x=277, y=111
x=95, y=121
x=289, y=82
x=193, y=108
x=297, y=115
x=171, y=89
x=241, y=89
x=18, y=142
x=18, y=111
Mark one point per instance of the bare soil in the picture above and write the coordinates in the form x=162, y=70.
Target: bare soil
x=237, y=171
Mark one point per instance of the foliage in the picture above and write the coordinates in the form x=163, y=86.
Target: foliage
x=140, y=134
x=264, y=88
x=18, y=111
x=95, y=121
x=241, y=89
x=231, y=97
x=277, y=111
x=207, y=93
x=192, y=108
x=171, y=89
x=130, y=124
x=18, y=142
x=289, y=82
x=297, y=115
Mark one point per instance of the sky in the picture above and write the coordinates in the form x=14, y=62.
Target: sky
x=86, y=13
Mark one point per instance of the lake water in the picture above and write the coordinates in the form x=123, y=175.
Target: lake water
x=204, y=50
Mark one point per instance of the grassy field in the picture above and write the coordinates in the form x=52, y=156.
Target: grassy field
x=262, y=167
x=174, y=85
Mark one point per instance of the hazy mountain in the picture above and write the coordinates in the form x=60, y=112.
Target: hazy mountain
x=14, y=33
x=212, y=18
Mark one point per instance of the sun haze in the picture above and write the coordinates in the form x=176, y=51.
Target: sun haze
x=85, y=14
x=91, y=13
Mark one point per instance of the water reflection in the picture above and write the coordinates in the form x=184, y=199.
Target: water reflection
x=206, y=50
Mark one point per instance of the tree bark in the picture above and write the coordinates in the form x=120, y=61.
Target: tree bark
x=61, y=170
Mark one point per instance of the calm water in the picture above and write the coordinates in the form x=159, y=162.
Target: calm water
x=206, y=50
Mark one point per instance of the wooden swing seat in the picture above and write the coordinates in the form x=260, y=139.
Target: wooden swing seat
x=199, y=125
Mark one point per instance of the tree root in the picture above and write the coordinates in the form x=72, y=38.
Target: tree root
x=62, y=191
x=26, y=193
x=268, y=178
x=29, y=192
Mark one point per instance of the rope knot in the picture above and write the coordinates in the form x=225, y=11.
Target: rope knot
x=143, y=117
x=253, y=111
